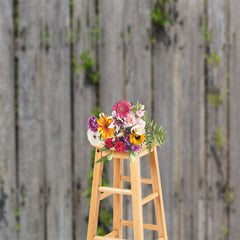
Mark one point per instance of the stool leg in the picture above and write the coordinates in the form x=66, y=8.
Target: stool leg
x=136, y=199
x=158, y=202
x=117, y=198
x=94, y=205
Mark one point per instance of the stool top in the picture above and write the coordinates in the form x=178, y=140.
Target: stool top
x=124, y=155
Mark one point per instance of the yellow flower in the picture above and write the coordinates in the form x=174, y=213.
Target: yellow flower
x=104, y=130
x=137, y=139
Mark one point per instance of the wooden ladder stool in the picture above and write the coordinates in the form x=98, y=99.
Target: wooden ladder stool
x=99, y=193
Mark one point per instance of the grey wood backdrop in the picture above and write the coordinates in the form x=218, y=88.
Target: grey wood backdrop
x=185, y=72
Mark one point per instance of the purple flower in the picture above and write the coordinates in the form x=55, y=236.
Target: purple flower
x=126, y=148
x=136, y=148
x=127, y=140
x=92, y=123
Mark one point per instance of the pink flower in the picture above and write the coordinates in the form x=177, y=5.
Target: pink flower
x=141, y=122
x=130, y=120
x=140, y=113
x=122, y=108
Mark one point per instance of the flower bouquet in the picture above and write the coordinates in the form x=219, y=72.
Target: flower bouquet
x=126, y=130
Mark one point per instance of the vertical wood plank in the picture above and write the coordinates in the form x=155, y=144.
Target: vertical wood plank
x=166, y=112
x=234, y=119
x=111, y=62
x=84, y=100
x=138, y=80
x=8, y=189
x=179, y=105
x=217, y=17
x=191, y=117
x=31, y=154
x=57, y=123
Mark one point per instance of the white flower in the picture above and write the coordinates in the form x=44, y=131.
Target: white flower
x=94, y=138
x=138, y=129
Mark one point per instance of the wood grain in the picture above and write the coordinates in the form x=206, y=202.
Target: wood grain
x=234, y=232
x=217, y=159
x=111, y=64
x=84, y=101
x=31, y=132
x=57, y=125
x=8, y=191
x=138, y=79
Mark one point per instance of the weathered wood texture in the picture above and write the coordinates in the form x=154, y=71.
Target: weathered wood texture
x=84, y=101
x=31, y=154
x=188, y=84
x=217, y=83
x=234, y=232
x=8, y=190
x=138, y=78
x=57, y=121
x=111, y=62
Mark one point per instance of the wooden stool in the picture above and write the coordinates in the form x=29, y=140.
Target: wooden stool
x=99, y=193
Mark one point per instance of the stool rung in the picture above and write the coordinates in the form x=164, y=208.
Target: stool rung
x=143, y=180
x=149, y=198
x=107, y=238
x=112, y=234
x=105, y=195
x=115, y=190
x=145, y=225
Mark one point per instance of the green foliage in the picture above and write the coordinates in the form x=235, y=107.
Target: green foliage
x=213, y=59
x=105, y=220
x=224, y=231
x=96, y=112
x=207, y=34
x=16, y=212
x=160, y=17
x=220, y=138
x=95, y=30
x=87, y=63
x=229, y=196
x=215, y=96
x=153, y=133
x=17, y=215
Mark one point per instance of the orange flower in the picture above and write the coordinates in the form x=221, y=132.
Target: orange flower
x=103, y=128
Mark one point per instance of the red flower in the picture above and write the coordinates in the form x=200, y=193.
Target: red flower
x=120, y=147
x=122, y=108
x=109, y=143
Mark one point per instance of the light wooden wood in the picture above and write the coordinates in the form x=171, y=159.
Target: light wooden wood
x=145, y=225
x=136, y=199
x=115, y=190
x=104, y=195
x=149, y=198
x=117, y=198
x=107, y=238
x=158, y=202
x=112, y=234
x=95, y=196
x=136, y=193
x=143, y=180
